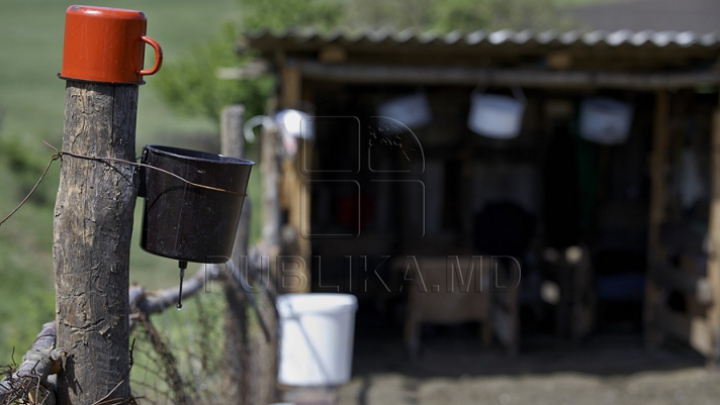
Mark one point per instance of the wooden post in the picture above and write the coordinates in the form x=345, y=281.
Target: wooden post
x=294, y=185
x=713, y=268
x=295, y=199
x=91, y=243
x=291, y=88
x=270, y=170
x=232, y=142
x=658, y=198
x=237, y=347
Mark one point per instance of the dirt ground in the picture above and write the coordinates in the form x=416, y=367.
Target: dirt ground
x=685, y=386
x=454, y=370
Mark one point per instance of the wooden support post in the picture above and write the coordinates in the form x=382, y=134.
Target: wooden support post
x=302, y=213
x=270, y=171
x=713, y=268
x=294, y=185
x=658, y=198
x=295, y=199
x=291, y=88
x=237, y=387
x=91, y=248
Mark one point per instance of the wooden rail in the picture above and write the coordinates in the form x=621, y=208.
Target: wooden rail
x=438, y=75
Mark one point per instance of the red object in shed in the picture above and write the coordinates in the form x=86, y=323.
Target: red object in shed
x=106, y=45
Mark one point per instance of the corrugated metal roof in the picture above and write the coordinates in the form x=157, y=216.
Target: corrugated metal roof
x=638, y=15
x=621, y=38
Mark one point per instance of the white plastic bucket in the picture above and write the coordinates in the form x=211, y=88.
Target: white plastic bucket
x=496, y=116
x=604, y=120
x=412, y=110
x=316, y=338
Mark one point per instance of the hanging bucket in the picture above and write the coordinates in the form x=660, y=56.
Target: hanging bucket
x=412, y=110
x=605, y=121
x=188, y=222
x=316, y=338
x=496, y=116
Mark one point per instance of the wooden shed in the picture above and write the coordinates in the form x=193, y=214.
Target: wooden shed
x=634, y=221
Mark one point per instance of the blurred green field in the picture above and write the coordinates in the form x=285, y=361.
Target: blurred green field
x=31, y=110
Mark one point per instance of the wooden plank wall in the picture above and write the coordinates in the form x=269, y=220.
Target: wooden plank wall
x=699, y=325
x=713, y=267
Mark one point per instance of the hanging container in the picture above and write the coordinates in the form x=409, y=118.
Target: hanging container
x=605, y=121
x=188, y=222
x=316, y=338
x=294, y=125
x=412, y=110
x=496, y=116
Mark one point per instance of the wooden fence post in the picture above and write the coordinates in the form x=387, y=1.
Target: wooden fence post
x=91, y=241
x=270, y=170
x=237, y=388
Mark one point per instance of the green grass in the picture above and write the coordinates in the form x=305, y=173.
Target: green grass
x=31, y=107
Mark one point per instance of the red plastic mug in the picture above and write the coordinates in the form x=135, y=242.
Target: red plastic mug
x=106, y=45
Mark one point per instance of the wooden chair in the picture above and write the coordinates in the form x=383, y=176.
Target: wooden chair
x=432, y=299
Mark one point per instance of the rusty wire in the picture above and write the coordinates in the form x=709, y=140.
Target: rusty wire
x=28, y=389
x=177, y=356
x=59, y=154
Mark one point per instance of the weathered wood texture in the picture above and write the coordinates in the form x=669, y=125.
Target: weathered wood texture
x=236, y=389
x=93, y=227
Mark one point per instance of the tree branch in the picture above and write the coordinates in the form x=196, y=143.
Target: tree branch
x=36, y=365
x=152, y=302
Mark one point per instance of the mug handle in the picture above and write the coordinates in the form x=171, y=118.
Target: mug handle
x=158, y=56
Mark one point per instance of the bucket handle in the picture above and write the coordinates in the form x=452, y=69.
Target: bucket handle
x=516, y=91
x=253, y=122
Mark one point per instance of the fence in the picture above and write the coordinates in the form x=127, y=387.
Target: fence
x=177, y=357
x=221, y=349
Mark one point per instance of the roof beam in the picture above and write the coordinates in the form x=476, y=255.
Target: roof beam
x=429, y=75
